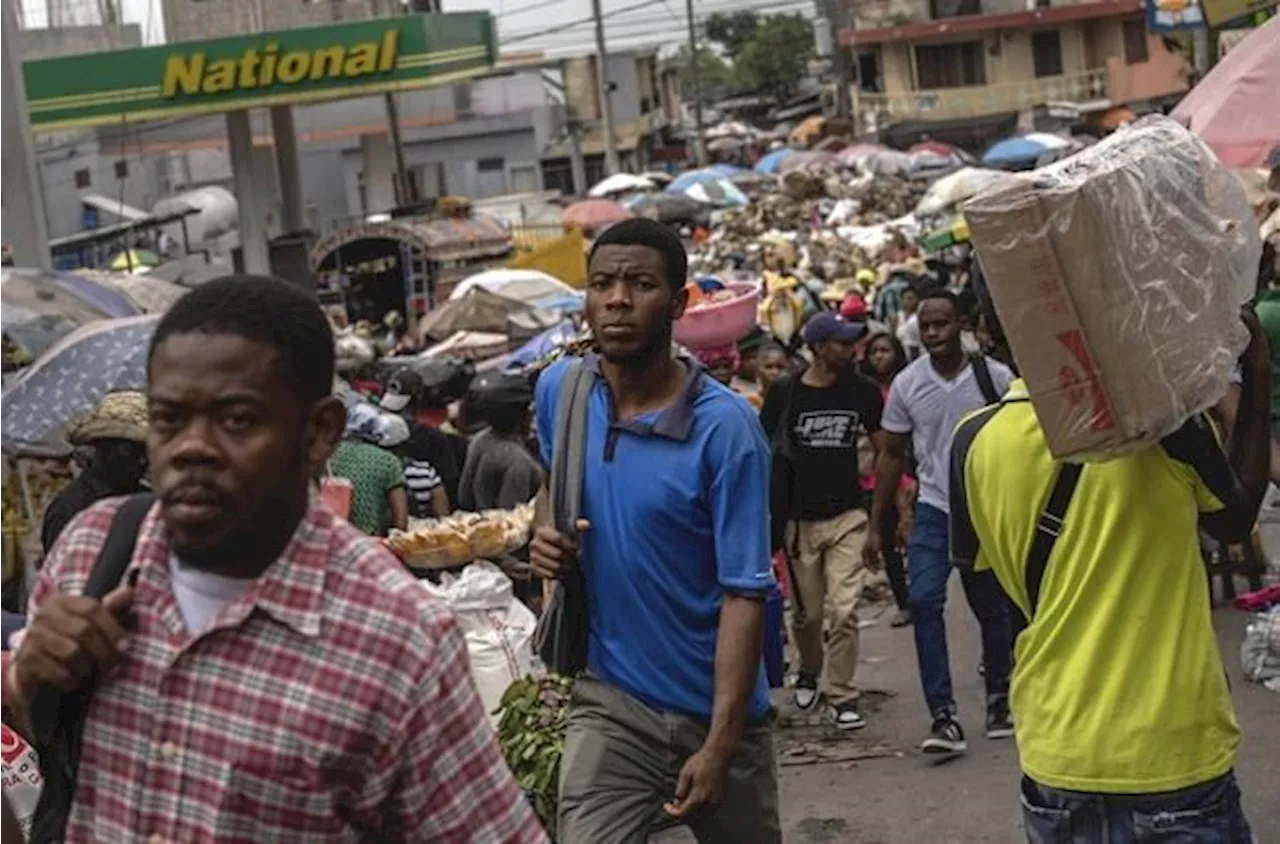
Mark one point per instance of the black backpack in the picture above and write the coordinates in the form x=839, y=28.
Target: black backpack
x=57, y=717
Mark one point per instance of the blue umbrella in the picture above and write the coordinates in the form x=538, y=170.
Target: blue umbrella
x=112, y=302
x=689, y=178
x=72, y=377
x=1012, y=151
x=771, y=161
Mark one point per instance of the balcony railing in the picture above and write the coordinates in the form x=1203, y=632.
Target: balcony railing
x=878, y=110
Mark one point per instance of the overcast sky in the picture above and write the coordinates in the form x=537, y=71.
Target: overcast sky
x=560, y=27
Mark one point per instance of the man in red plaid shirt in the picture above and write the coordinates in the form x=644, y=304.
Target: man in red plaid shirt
x=280, y=677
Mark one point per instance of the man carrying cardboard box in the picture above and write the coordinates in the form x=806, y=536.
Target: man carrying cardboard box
x=1123, y=717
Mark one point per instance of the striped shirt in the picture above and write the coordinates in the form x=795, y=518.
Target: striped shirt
x=332, y=702
x=421, y=480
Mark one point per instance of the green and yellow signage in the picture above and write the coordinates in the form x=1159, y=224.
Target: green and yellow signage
x=274, y=68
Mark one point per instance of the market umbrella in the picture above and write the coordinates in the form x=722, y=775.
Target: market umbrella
x=771, y=161
x=522, y=285
x=669, y=207
x=813, y=160
x=1236, y=107
x=42, y=307
x=149, y=294
x=935, y=147
x=857, y=153
x=727, y=170
x=620, y=183
x=71, y=377
x=594, y=214
x=658, y=177
x=135, y=260
x=1022, y=151
x=689, y=178
x=952, y=189
x=726, y=144
x=96, y=290
x=720, y=193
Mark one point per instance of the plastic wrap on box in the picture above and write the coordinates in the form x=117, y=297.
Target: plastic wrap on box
x=1118, y=276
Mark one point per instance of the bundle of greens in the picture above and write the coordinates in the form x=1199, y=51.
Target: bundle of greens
x=533, y=714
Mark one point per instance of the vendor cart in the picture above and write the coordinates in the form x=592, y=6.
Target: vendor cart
x=407, y=263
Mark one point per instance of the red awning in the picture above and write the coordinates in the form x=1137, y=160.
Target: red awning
x=988, y=23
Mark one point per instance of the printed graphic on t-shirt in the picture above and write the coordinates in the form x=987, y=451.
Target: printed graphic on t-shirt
x=827, y=429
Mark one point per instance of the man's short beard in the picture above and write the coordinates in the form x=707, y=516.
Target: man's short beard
x=659, y=345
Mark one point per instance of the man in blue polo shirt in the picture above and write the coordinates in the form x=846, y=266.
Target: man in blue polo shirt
x=671, y=723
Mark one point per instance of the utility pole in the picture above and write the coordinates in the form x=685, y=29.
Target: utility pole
x=405, y=193
x=699, y=142
x=25, y=222
x=830, y=10
x=606, y=104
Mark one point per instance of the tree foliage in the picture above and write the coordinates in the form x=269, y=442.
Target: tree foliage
x=714, y=71
x=769, y=53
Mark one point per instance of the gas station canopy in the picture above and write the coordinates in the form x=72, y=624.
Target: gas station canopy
x=293, y=66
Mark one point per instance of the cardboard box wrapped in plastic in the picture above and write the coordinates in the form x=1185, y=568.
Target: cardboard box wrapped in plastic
x=1118, y=276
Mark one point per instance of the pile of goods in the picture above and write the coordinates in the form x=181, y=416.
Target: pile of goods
x=460, y=538
x=531, y=730
x=1135, y=256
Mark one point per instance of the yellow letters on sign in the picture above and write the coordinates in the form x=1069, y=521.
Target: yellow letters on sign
x=264, y=67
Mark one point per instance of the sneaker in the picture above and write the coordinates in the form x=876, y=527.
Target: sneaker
x=901, y=619
x=999, y=722
x=946, y=736
x=846, y=717
x=806, y=690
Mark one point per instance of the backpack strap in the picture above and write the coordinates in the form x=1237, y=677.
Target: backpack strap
x=982, y=373
x=1048, y=528
x=568, y=446
x=117, y=549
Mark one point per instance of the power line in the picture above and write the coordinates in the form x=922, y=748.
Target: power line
x=779, y=6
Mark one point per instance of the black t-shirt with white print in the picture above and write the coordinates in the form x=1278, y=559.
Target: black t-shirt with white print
x=824, y=425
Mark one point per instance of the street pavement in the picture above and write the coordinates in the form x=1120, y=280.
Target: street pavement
x=897, y=795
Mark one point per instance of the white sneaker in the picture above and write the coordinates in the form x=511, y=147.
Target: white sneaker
x=806, y=693
x=846, y=717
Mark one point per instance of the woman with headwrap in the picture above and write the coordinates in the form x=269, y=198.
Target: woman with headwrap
x=721, y=362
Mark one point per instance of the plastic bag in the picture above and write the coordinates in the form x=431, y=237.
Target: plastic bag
x=1118, y=276
x=22, y=780
x=498, y=629
x=1260, y=650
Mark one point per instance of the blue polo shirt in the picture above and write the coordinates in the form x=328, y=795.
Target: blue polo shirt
x=679, y=511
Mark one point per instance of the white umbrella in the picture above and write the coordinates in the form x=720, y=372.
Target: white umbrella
x=522, y=285
x=620, y=183
x=1047, y=140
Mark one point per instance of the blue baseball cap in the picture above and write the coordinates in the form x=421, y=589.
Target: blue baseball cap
x=826, y=326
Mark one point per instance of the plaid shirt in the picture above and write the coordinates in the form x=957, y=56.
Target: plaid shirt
x=331, y=702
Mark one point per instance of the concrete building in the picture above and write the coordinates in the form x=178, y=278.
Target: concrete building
x=192, y=20
x=955, y=62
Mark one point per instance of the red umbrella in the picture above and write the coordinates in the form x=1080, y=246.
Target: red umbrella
x=594, y=214
x=935, y=147
x=1236, y=107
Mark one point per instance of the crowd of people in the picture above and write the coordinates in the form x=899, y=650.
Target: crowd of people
x=261, y=669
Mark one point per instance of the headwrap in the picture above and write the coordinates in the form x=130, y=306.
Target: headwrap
x=118, y=416
x=718, y=356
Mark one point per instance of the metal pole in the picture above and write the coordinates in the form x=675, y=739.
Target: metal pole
x=404, y=189
x=578, y=166
x=606, y=105
x=699, y=143
x=28, y=230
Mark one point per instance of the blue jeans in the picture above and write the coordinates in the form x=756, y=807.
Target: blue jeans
x=928, y=569
x=1209, y=812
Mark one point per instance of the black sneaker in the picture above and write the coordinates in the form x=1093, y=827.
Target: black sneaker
x=946, y=736
x=806, y=690
x=846, y=717
x=999, y=721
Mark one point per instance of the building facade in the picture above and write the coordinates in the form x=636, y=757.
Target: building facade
x=965, y=60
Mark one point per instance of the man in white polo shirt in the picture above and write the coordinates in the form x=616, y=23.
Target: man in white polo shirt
x=926, y=402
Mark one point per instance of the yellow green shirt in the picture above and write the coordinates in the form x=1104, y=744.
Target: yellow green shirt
x=1118, y=685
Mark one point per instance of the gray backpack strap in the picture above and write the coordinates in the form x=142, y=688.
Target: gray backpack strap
x=568, y=449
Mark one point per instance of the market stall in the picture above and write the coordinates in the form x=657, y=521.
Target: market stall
x=406, y=264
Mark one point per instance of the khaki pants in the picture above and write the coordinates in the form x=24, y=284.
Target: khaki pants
x=828, y=576
x=622, y=760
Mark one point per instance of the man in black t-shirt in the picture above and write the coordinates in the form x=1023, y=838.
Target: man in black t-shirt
x=821, y=422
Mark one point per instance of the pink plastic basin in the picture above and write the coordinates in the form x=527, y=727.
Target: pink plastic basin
x=720, y=323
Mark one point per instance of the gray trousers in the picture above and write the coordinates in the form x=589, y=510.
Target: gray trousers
x=622, y=760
